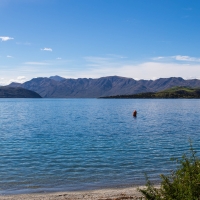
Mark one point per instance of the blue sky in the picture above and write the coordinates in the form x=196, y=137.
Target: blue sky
x=141, y=39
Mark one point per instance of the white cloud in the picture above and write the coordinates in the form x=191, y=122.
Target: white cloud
x=7, y=81
x=153, y=70
x=162, y=67
x=95, y=67
x=58, y=58
x=47, y=49
x=5, y=38
x=186, y=58
x=177, y=58
x=9, y=56
x=21, y=78
x=147, y=70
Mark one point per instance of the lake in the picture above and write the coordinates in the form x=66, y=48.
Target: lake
x=79, y=144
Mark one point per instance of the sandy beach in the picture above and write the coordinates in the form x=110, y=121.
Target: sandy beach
x=103, y=194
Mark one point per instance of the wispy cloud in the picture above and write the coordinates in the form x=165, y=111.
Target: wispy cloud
x=6, y=38
x=186, y=58
x=162, y=66
x=95, y=67
x=146, y=70
x=8, y=56
x=47, y=49
x=177, y=58
x=96, y=60
x=25, y=43
x=54, y=62
x=19, y=79
x=36, y=63
x=158, y=58
x=116, y=56
x=58, y=58
x=6, y=81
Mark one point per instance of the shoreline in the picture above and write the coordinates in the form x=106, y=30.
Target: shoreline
x=99, y=194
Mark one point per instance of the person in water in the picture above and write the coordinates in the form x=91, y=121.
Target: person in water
x=134, y=113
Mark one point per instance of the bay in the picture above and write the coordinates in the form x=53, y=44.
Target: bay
x=77, y=144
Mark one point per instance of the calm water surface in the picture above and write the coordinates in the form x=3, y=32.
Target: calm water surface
x=77, y=144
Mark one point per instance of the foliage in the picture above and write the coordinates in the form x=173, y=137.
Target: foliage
x=181, y=184
x=174, y=92
x=179, y=92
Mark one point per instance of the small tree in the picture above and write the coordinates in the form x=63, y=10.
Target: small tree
x=182, y=184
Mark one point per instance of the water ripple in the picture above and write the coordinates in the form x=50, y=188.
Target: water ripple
x=73, y=144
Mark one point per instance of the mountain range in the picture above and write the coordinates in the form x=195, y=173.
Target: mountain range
x=59, y=87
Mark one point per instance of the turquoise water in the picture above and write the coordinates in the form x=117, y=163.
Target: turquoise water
x=78, y=144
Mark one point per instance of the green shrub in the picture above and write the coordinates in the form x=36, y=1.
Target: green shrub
x=181, y=184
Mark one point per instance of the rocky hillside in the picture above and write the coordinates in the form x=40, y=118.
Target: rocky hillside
x=16, y=92
x=58, y=87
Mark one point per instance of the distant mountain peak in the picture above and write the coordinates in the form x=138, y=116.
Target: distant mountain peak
x=57, y=78
x=15, y=84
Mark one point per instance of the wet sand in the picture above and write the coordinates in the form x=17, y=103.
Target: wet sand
x=131, y=193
